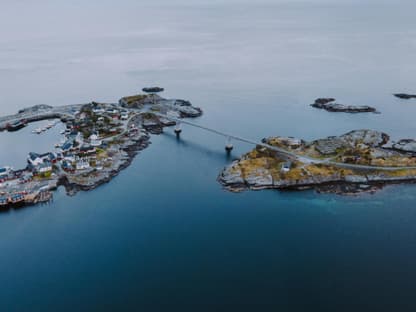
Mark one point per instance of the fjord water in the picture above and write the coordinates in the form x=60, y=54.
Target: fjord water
x=163, y=235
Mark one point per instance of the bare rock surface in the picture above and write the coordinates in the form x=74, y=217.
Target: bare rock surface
x=330, y=104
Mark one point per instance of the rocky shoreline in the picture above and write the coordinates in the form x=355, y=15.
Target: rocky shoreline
x=131, y=149
x=338, y=185
x=360, y=161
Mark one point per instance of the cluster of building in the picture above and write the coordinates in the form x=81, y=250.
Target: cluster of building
x=13, y=186
x=71, y=155
x=112, y=111
x=86, y=146
x=76, y=152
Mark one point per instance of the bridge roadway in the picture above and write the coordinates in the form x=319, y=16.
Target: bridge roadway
x=289, y=154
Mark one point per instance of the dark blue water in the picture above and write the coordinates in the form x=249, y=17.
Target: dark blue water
x=163, y=235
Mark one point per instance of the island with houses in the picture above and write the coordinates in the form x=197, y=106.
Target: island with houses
x=100, y=139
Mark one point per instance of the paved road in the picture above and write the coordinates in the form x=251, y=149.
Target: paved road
x=66, y=110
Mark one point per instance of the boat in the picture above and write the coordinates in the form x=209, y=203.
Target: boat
x=38, y=130
x=17, y=125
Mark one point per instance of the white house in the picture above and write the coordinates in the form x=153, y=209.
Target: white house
x=79, y=138
x=112, y=111
x=45, y=167
x=98, y=110
x=5, y=170
x=95, y=140
x=81, y=165
x=69, y=158
x=34, y=159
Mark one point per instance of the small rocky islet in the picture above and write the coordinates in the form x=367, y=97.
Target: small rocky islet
x=100, y=140
x=405, y=96
x=355, y=162
x=330, y=105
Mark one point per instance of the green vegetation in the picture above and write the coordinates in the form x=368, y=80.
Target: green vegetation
x=133, y=100
x=148, y=115
x=261, y=161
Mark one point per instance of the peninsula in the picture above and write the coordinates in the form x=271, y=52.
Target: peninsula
x=358, y=161
x=100, y=140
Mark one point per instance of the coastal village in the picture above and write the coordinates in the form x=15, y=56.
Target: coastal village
x=100, y=139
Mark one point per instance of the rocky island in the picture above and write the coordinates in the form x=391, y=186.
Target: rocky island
x=405, y=96
x=330, y=105
x=358, y=161
x=100, y=140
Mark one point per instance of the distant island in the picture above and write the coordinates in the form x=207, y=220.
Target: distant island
x=356, y=162
x=100, y=140
x=405, y=96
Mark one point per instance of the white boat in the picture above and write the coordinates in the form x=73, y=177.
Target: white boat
x=38, y=130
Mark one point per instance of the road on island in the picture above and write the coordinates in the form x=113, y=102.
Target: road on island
x=289, y=154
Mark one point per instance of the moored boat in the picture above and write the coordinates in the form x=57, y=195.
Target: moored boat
x=17, y=125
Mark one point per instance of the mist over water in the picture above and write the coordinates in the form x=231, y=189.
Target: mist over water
x=164, y=232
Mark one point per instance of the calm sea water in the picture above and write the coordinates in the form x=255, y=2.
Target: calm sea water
x=164, y=235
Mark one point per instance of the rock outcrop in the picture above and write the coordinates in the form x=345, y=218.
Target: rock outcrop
x=35, y=108
x=330, y=105
x=405, y=145
x=405, y=96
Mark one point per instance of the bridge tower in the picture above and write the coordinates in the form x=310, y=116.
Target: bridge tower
x=228, y=145
x=178, y=128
